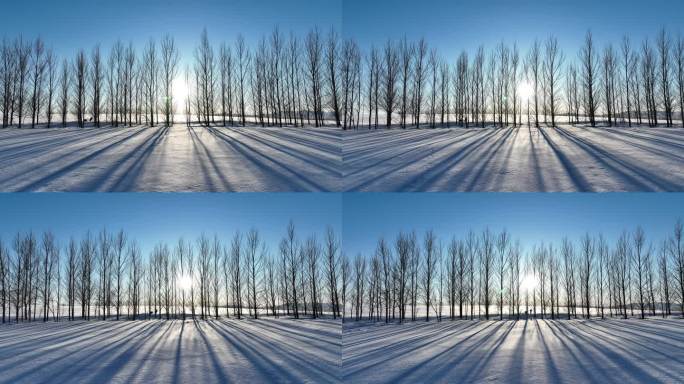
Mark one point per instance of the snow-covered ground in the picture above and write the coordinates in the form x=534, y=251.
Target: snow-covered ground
x=213, y=351
x=251, y=159
x=533, y=351
x=514, y=159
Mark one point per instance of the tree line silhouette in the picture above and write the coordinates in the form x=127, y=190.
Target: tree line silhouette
x=488, y=275
x=105, y=276
x=322, y=79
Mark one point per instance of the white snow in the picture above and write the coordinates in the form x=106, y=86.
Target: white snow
x=514, y=159
x=532, y=351
x=252, y=159
x=173, y=351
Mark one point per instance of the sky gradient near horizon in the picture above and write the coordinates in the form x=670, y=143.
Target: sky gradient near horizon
x=447, y=25
x=532, y=218
x=71, y=25
x=453, y=26
x=150, y=218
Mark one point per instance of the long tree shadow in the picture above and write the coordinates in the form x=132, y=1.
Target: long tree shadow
x=555, y=375
x=199, y=145
x=631, y=174
x=23, y=336
x=453, y=356
x=580, y=183
x=369, y=356
x=588, y=371
x=269, y=359
x=135, y=157
x=654, y=336
x=9, y=152
x=482, y=163
x=622, y=137
x=493, y=348
x=473, y=152
x=368, y=359
x=314, y=357
x=111, y=364
x=618, y=358
x=213, y=355
x=62, y=340
x=380, y=152
x=76, y=349
x=76, y=164
x=284, y=144
x=329, y=166
x=434, y=173
x=46, y=159
x=266, y=164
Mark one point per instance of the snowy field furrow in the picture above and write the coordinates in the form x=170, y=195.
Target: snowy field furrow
x=565, y=351
x=521, y=159
x=265, y=350
x=179, y=158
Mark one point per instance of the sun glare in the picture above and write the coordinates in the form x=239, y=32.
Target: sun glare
x=184, y=282
x=525, y=90
x=528, y=283
x=179, y=92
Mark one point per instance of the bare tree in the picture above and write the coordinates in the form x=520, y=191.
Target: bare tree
x=664, y=47
x=37, y=78
x=243, y=60
x=589, y=63
x=389, y=80
x=80, y=72
x=96, y=78
x=169, y=60
x=553, y=62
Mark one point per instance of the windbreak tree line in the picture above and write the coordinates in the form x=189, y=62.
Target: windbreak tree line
x=490, y=276
x=322, y=79
x=106, y=276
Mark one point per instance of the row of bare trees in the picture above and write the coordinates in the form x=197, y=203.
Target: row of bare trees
x=106, y=276
x=411, y=84
x=124, y=88
x=488, y=275
x=321, y=79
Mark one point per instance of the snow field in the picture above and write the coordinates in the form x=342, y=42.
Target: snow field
x=532, y=351
x=175, y=159
x=173, y=351
x=565, y=159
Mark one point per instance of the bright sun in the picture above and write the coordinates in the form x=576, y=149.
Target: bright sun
x=179, y=91
x=528, y=283
x=525, y=90
x=184, y=282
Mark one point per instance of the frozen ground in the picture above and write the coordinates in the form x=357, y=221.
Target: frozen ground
x=533, y=351
x=170, y=159
x=214, y=351
x=514, y=159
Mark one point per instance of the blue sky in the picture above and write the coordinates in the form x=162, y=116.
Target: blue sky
x=154, y=217
x=530, y=217
x=446, y=24
x=453, y=25
x=74, y=24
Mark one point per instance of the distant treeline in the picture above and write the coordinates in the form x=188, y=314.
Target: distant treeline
x=322, y=79
x=106, y=276
x=413, y=278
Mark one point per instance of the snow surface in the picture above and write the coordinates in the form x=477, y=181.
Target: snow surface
x=532, y=351
x=212, y=351
x=251, y=159
x=514, y=159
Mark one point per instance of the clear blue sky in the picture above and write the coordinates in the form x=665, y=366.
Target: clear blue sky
x=449, y=25
x=154, y=217
x=530, y=217
x=69, y=25
x=453, y=25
